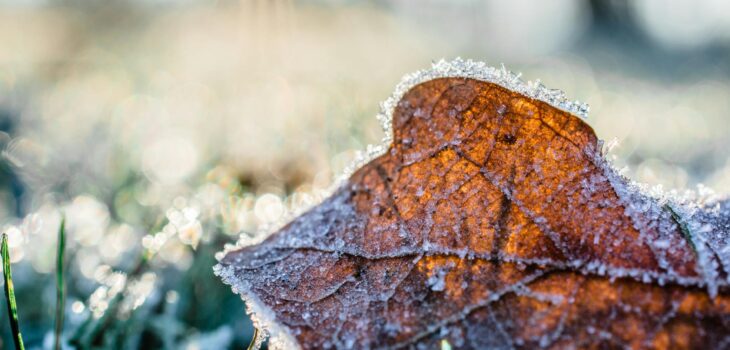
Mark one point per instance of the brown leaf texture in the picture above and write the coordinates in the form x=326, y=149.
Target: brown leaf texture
x=492, y=222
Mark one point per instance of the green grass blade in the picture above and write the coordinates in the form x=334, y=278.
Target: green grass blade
x=60, y=283
x=10, y=295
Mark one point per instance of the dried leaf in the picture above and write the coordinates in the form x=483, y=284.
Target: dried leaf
x=492, y=221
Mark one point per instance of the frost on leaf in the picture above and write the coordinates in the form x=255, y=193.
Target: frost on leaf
x=492, y=221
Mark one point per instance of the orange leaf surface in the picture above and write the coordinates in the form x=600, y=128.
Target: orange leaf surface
x=492, y=221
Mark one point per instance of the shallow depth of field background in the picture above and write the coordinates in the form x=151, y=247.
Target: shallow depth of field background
x=174, y=126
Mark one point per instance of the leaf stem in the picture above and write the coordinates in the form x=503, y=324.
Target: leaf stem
x=10, y=295
x=254, y=340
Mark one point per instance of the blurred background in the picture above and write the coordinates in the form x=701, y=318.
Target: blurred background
x=164, y=129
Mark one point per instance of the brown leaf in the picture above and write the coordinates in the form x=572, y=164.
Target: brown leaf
x=492, y=221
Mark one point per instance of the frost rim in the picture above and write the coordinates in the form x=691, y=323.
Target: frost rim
x=460, y=68
x=263, y=318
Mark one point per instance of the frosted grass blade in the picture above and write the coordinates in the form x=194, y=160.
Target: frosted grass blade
x=10, y=295
x=60, y=283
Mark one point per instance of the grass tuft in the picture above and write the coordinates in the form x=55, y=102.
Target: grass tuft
x=10, y=295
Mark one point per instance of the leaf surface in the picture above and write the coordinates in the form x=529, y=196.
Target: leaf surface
x=492, y=221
